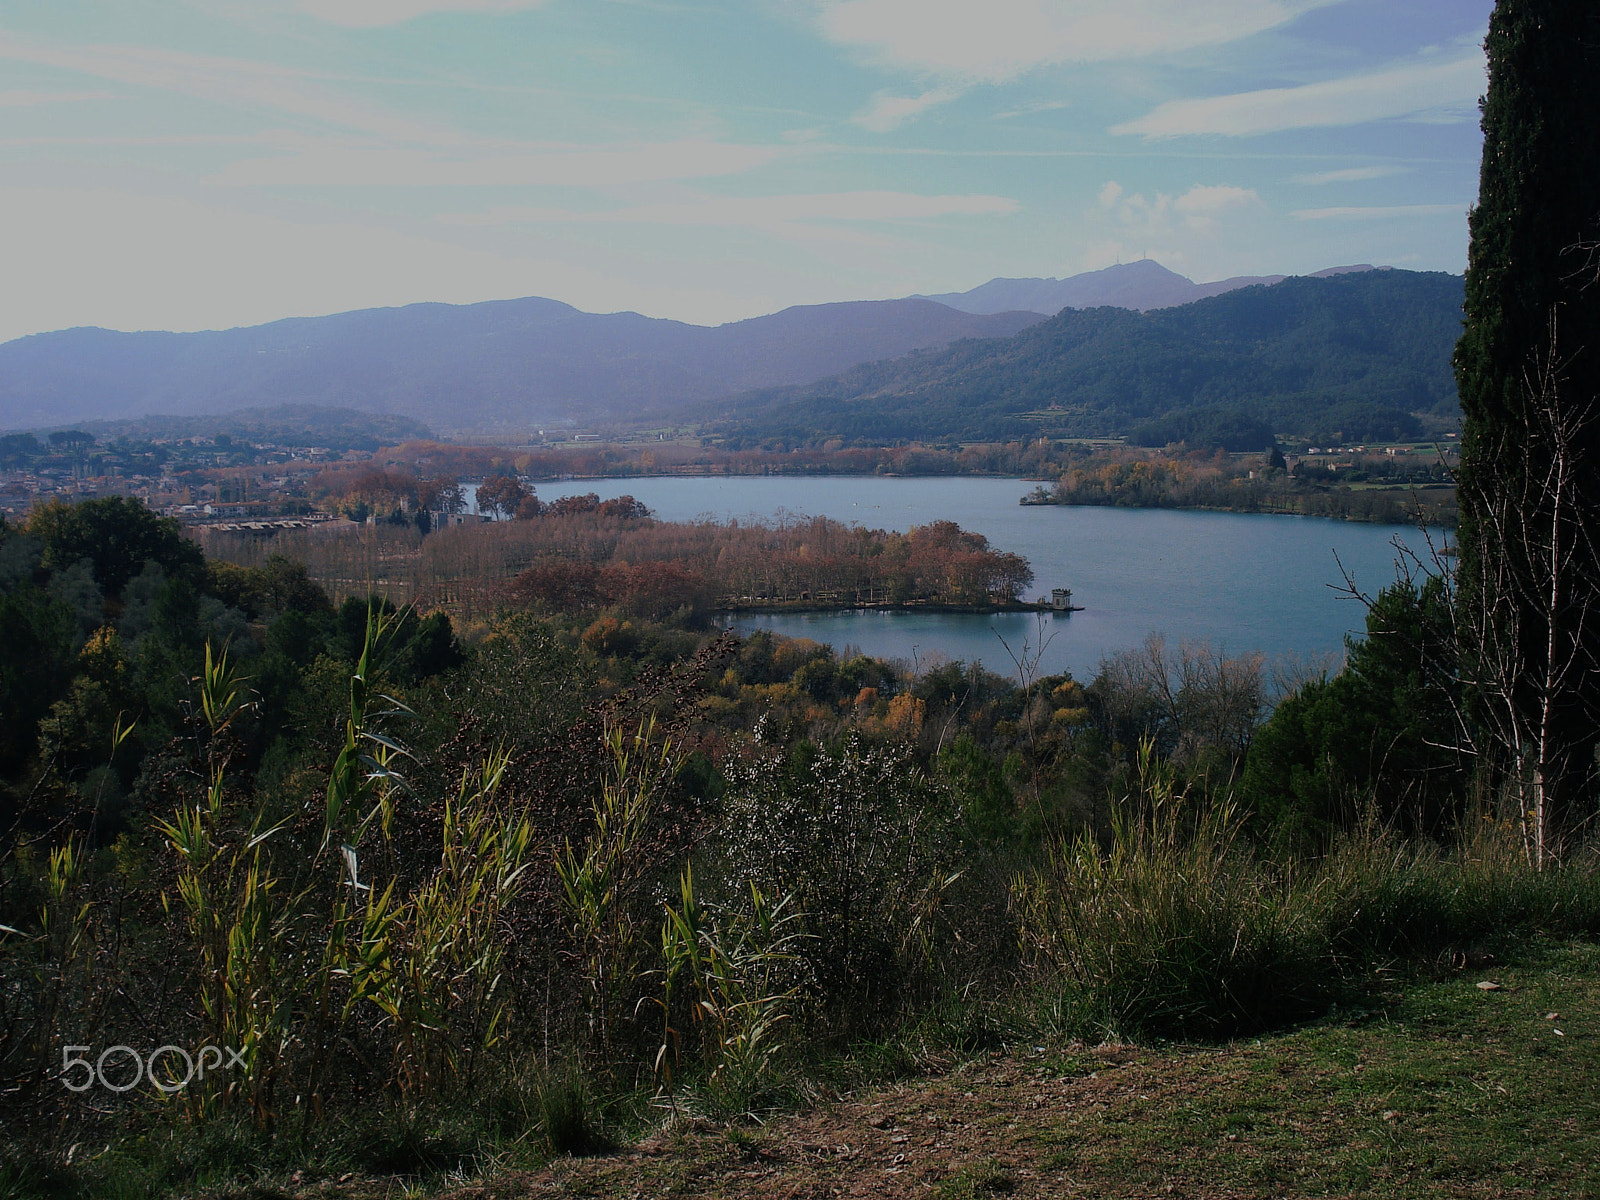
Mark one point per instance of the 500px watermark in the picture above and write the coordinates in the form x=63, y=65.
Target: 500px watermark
x=79, y=1073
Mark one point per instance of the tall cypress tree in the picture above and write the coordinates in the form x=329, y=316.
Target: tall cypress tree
x=1528, y=371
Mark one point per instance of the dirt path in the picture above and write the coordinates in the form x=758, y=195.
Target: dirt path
x=1013, y=1127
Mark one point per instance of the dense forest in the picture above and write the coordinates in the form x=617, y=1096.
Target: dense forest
x=1353, y=355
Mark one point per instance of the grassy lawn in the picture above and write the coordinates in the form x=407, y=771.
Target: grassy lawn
x=1453, y=1090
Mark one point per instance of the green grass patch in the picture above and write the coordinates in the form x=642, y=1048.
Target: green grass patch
x=1448, y=1090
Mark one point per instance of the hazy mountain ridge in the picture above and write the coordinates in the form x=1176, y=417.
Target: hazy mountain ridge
x=510, y=364
x=1143, y=285
x=1360, y=349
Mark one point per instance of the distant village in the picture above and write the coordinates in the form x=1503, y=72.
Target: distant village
x=196, y=479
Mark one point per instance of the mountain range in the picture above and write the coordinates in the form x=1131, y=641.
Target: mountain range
x=504, y=366
x=513, y=367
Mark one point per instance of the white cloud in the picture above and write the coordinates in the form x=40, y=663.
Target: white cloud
x=1028, y=110
x=369, y=14
x=1349, y=175
x=1381, y=212
x=393, y=150
x=1197, y=210
x=995, y=40
x=331, y=162
x=1429, y=91
x=1206, y=224
x=888, y=112
x=22, y=99
x=1200, y=201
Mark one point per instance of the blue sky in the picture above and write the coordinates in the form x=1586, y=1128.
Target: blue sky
x=185, y=164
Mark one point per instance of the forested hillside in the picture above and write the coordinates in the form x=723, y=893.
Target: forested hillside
x=1348, y=357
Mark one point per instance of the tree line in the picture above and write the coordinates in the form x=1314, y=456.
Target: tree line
x=581, y=550
x=1394, y=492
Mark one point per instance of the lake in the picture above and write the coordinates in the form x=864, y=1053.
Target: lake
x=1241, y=582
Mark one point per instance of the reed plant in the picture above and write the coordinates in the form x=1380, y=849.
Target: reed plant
x=601, y=880
x=732, y=973
x=234, y=903
x=306, y=941
x=443, y=988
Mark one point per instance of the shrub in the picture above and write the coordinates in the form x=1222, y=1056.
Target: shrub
x=1175, y=929
x=865, y=844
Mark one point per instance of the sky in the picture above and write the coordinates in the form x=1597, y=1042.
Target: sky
x=197, y=164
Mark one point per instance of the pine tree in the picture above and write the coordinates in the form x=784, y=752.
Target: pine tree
x=1528, y=372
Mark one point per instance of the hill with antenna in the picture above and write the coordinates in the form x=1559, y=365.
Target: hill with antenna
x=1143, y=286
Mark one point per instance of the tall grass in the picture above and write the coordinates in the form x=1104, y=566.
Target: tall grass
x=600, y=878
x=1178, y=927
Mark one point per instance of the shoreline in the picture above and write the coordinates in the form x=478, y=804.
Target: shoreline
x=977, y=610
x=1031, y=499
x=1443, y=520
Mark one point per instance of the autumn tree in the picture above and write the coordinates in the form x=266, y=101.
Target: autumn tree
x=441, y=494
x=501, y=495
x=1528, y=373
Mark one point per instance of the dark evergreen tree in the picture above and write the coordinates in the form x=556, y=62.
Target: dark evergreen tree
x=118, y=535
x=1528, y=373
x=1379, y=733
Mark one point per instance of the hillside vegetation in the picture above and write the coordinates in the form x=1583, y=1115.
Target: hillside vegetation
x=1351, y=357
x=545, y=873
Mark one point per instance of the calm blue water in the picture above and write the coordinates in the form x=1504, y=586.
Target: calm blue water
x=1239, y=582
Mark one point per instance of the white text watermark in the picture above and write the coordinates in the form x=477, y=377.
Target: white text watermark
x=122, y=1068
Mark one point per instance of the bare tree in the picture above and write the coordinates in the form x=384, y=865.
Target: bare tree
x=1528, y=622
x=1198, y=698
